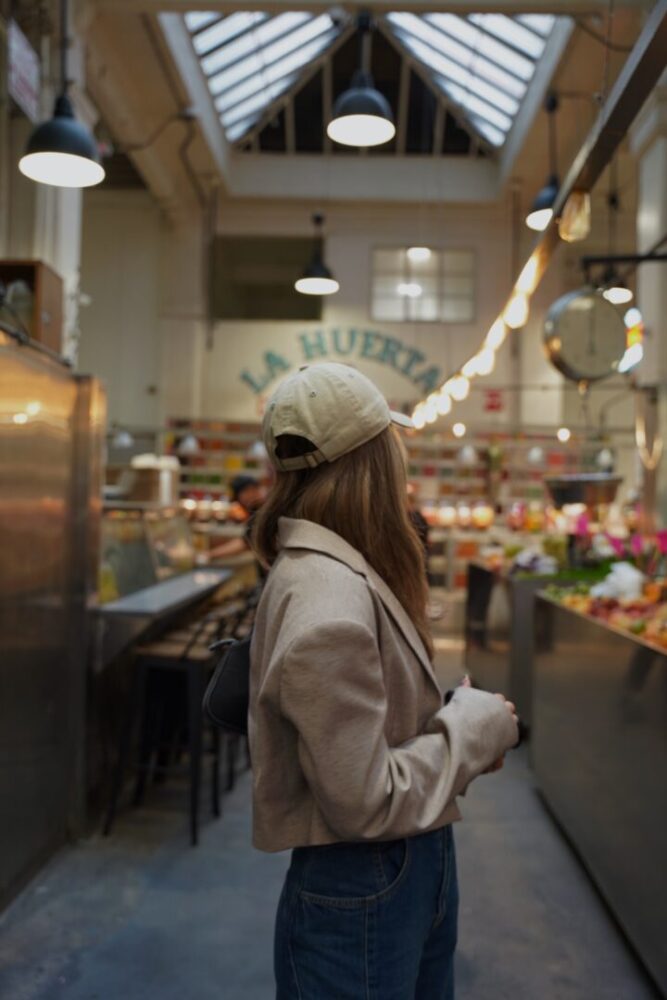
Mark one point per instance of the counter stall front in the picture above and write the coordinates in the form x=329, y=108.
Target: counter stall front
x=599, y=749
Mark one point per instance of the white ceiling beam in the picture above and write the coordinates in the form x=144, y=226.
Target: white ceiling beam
x=182, y=52
x=574, y=7
x=341, y=178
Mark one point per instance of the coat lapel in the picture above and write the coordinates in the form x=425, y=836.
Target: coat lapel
x=307, y=535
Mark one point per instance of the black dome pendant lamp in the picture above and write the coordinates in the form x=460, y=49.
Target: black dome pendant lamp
x=541, y=211
x=61, y=151
x=317, y=279
x=362, y=116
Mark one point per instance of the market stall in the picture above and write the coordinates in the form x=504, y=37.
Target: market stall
x=599, y=752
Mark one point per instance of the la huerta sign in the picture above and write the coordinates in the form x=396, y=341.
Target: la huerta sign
x=337, y=344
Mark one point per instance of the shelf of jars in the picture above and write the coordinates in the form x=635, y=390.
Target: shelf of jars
x=212, y=453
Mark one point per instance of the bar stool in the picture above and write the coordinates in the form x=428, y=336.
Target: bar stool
x=194, y=662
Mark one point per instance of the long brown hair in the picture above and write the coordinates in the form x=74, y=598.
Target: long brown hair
x=362, y=497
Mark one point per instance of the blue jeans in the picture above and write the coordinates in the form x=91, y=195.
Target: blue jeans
x=369, y=921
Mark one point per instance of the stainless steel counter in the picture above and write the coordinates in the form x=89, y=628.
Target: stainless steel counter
x=599, y=749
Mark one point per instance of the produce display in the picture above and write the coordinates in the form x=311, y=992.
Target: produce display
x=625, y=600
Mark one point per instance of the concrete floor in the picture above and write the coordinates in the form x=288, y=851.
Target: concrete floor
x=142, y=916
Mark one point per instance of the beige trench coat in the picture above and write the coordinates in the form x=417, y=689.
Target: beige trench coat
x=348, y=734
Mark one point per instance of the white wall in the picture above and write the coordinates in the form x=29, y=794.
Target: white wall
x=120, y=342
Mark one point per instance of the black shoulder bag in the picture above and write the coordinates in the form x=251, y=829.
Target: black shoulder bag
x=228, y=693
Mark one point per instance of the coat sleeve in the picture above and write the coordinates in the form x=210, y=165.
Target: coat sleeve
x=332, y=691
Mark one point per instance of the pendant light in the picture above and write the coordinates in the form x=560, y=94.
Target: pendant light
x=362, y=115
x=615, y=290
x=317, y=279
x=541, y=211
x=62, y=152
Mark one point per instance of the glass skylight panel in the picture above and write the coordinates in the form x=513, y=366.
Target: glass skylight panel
x=480, y=108
x=257, y=103
x=268, y=74
x=542, y=24
x=239, y=129
x=260, y=58
x=485, y=45
x=511, y=32
x=225, y=30
x=452, y=71
x=196, y=21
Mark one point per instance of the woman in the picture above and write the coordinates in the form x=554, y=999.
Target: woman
x=356, y=763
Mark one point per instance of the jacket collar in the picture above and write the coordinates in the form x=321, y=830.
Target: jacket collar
x=300, y=534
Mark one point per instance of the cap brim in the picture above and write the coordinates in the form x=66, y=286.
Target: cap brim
x=402, y=419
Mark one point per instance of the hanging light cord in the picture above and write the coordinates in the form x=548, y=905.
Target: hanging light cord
x=552, y=107
x=64, y=44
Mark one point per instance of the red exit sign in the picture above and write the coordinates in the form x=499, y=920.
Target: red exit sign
x=494, y=401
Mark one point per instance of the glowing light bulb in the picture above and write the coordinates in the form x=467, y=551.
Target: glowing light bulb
x=419, y=255
x=470, y=368
x=539, y=220
x=486, y=361
x=618, y=295
x=631, y=358
x=443, y=404
x=430, y=411
x=527, y=280
x=517, y=311
x=633, y=317
x=495, y=338
x=459, y=430
x=564, y=434
x=458, y=387
x=409, y=289
x=418, y=419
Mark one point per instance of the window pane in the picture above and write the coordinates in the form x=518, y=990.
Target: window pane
x=425, y=309
x=387, y=285
x=509, y=30
x=390, y=310
x=540, y=23
x=195, y=21
x=389, y=260
x=458, y=261
x=221, y=32
x=458, y=287
x=457, y=311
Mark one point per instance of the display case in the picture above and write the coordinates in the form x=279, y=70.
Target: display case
x=600, y=755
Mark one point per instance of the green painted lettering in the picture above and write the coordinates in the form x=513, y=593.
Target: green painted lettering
x=344, y=342
x=368, y=344
x=390, y=349
x=429, y=380
x=275, y=364
x=414, y=358
x=257, y=386
x=314, y=345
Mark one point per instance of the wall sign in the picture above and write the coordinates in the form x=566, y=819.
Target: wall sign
x=347, y=345
x=494, y=401
x=23, y=72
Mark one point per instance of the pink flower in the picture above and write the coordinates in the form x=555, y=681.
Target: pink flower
x=636, y=545
x=662, y=542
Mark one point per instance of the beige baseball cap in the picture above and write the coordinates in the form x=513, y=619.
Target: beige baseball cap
x=331, y=404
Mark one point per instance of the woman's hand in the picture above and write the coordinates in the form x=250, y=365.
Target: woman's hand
x=511, y=707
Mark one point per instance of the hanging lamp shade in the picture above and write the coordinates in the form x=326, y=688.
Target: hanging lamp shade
x=62, y=151
x=542, y=209
x=317, y=279
x=362, y=115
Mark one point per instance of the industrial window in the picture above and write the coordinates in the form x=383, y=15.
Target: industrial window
x=422, y=284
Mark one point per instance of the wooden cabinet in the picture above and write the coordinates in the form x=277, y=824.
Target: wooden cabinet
x=35, y=292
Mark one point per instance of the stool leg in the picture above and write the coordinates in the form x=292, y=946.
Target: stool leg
x=215, y=784
x=195, y=721
x=149, y=727
x=231, y=761
x=135, y=707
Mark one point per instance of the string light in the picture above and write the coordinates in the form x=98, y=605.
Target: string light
x=486, y=361
x=564, y=434
x=444, y=403
x=458, y=430
x=458, y=387
x=517, y=311
x=495, y=338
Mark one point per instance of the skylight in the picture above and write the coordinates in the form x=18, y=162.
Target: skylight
x=482, y=63
x=252, y=59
